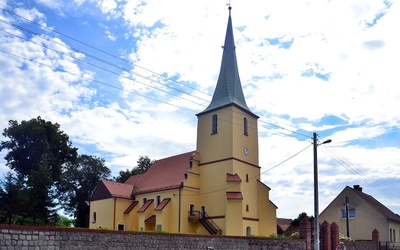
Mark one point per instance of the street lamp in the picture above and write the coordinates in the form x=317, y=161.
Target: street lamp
x=316, y=206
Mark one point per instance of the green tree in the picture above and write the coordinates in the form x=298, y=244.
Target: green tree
x=79, y=181
x=296, y=222
x=12, y=197
x=37, y=143
x=143, y=164
x=37, y=149
x=64, y=221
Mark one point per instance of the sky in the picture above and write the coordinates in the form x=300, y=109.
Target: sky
x=126, y=78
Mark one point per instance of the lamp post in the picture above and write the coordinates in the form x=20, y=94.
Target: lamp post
x=316, y=202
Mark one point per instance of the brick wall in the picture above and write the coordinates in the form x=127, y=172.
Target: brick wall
x=38, y=238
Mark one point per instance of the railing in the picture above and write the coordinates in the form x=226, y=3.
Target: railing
x=205, y=220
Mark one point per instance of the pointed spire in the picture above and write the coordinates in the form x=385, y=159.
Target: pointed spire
x=229, y=89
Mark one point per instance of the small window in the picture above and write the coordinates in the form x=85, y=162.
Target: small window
x=191, y=209
x=202, y=212
x=94, y=217
x=121, y=227
x=247, y=177
x=158, y=199
x=144, y=200
x=248, y=231
x=159, y=227
x=214, y=129
x=352, y=213
x=247, y=207
x=390, y=235
x=245, y=127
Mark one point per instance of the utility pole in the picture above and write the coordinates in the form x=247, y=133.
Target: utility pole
x=316, y=205
x=347, y=216
x=316, y=199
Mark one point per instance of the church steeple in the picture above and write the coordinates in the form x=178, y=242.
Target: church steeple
x=229, y=89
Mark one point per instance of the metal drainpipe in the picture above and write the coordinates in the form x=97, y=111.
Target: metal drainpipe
x=115, y=205
x=179, y=215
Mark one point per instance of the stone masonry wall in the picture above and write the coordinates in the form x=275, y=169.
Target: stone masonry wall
x=38, y=238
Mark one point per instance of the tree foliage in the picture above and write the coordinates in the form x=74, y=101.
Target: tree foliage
x=79, y=181
x=12, y=198
x=37, y=149
x=296, y=222
x=143, y=164
x=37, y=143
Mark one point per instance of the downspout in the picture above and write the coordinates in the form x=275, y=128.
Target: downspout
x=115, y=205
x=179, y=216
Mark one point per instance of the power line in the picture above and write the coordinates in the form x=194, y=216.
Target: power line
x=120, y=67
x=92, y=79
x=100, y=50
x=354, y=170
x=256, y=176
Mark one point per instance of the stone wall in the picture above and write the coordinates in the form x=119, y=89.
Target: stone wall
x=38, y=238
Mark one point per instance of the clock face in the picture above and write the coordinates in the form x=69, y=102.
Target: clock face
x=246, y=151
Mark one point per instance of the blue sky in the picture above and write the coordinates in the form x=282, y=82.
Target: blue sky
x=127, y=78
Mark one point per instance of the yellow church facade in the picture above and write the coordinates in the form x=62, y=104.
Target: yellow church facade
x=215, y=189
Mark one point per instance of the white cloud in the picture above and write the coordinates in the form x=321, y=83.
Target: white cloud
x=300, y=62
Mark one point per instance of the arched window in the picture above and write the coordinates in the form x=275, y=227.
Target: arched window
x=214, y=124
x=245, y=127
x=158, y=199
x=248, y=231
x=191, y=209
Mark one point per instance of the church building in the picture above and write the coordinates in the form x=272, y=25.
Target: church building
x=215, y=189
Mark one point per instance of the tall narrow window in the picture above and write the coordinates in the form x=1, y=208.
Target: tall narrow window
x=191, y=209
x=158, y=200
x=94, y=217
x=214, y=129
x=245, y=127
x=144, y=200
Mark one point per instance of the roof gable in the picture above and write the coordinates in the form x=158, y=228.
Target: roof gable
x=110, y=189
x=375, y=204
x=101, y=192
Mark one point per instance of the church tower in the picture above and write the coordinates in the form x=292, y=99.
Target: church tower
x=227, y=146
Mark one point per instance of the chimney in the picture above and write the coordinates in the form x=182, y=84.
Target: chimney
x=357, y=187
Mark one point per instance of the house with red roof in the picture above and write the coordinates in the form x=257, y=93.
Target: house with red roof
x=215, y=189
x=358, y=214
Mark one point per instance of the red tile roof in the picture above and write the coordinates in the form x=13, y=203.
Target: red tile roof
x=234, y=195
x=151, y=219
x=167, y=173
x=108, y=189
x=162, y=204
x=131, y=206
x=164, y=174
x=233, y=178
x=283, y=223
x=145, y=206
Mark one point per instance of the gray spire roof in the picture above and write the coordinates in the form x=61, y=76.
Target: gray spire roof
x=229, y=89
